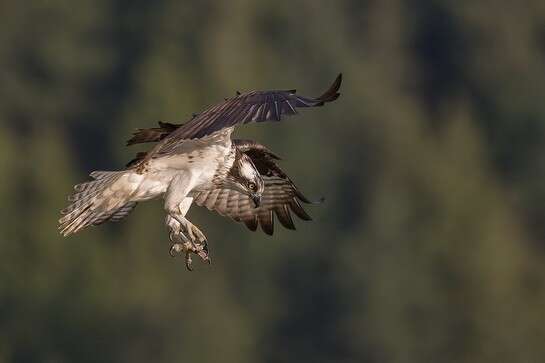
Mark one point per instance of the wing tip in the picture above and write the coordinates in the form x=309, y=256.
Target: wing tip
x=305, y=200
x=332, y=92
x=136, y=137
x=266, y=221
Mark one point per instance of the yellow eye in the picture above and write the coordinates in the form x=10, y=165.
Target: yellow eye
x=252, y=186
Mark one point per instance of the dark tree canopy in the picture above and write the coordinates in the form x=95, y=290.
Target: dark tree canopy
x=429, y=246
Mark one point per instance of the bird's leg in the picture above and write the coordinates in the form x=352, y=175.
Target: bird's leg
x=180, y=242
x=177, y=204
x=197, y=239
x=186, y=237
x=194, y=233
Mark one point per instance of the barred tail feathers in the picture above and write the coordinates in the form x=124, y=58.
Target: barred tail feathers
x=97, y=201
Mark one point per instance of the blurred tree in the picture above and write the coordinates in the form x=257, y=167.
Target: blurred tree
x=429, y=245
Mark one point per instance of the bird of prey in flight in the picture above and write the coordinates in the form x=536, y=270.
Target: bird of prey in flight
x=198, y=162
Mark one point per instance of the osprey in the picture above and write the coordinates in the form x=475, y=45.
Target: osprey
x=198, y=162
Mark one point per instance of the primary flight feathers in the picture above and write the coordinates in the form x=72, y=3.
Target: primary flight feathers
x=197, y=161
x=256, y=106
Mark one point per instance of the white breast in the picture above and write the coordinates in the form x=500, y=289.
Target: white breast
x=201, y=158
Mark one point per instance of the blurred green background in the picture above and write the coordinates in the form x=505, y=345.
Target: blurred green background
x=429, y=248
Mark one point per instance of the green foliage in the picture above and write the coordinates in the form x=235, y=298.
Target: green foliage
x=429, y=247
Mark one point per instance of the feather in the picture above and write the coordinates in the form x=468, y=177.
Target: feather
x=280, y=196
x=284, y=216
x=266, y=221
x=255, y=106
x=296, y=207
x=122, y=212
x=251, y=223
x=93, y=203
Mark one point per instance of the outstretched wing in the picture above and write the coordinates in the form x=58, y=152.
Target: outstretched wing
x=280, y=196
x=256, y=106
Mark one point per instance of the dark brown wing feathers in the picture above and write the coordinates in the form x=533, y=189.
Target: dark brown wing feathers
x=256, y=106
x=280, y=198
x=332, y=93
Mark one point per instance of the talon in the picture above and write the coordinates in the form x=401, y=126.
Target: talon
x=206, y=252
x=202, y=251
x=204, y=256
x=188, y=238
x=175, y=249
x=188, y=261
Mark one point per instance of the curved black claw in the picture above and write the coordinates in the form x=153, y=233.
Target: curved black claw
x=200, y=250
x=203, y=252
x=175, y=249
x=188, y=261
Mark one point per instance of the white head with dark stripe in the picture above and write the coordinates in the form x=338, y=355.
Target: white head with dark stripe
x=245, y=178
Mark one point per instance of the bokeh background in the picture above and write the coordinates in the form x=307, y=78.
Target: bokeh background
x=430, y=246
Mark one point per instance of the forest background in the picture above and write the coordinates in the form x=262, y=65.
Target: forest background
x=430, y=246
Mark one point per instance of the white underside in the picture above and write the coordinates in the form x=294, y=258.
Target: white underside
x=179, y=175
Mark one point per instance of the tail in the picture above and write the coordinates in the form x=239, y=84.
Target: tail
x=104, y=199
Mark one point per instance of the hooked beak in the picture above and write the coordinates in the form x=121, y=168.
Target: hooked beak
x=256, y=198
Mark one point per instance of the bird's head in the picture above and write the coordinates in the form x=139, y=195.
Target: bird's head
x=245, y=178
